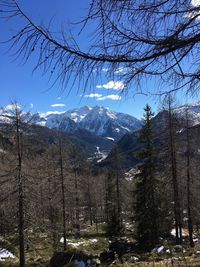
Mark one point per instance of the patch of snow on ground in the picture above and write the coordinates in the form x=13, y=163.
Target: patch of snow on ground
x=131, y=174
x=110, y=138
x=5, y=254
x=94, y=240
x=104, y=156
x=41, y=123
x=173, y=232
x=76, y=244
x=125, y=128
x=184, y=232
x=180, y=131
x=160, y=249
x=134, y=258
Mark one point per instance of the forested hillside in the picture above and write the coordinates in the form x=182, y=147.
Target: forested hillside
x=54, y=193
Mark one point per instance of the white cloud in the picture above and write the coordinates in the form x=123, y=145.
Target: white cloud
x=115, y=85
x=111, y=97
x=57, y=105
x=93, y=95
x=31, y=105
x=100, y=97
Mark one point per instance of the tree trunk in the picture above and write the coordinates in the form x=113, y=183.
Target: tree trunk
x=118, y=199
x=20, y=194
x=76, y=204
x=63, y=196
x=190, y=222
x=89, y=202
x=177, y=212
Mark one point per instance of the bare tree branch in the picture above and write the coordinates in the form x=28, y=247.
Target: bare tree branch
x=156, y=38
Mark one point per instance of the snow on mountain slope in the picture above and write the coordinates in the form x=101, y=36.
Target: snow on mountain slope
x=78, y=114
x=98, y=120
x=104, y=122
x=193, y=113
x=61, y=122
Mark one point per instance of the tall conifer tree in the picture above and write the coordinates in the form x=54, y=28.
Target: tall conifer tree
x=146, y=206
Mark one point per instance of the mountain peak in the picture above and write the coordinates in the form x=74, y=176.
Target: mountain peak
x=98, y=120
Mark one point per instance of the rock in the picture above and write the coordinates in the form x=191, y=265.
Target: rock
x=97, y=261
x=175, y=258
x=60, y=259
x=107, y=256
x=177, y=248
x=133, y=259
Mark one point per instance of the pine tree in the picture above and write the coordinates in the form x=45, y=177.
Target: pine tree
x=146, y=206
x=113, y=208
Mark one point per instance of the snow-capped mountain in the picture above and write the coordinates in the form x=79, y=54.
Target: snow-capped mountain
x=61, y=122
x=104, y=122
x=98, y=120
x=78, y=114
x=193, y=113
x=101, y=121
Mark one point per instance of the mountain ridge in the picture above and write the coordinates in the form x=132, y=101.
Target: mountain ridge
x=97, y=120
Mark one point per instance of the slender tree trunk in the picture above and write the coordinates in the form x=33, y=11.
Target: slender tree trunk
x=63, y=196
x=21, y=193
x=76, y=203
x=118, y=199
x=51, y=215
x=190, y=222
x=117, y=184
x=89, y=202
x=177, y=212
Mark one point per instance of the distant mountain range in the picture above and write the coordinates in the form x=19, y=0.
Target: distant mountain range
x=96, y=129
x=104, y=122
x=98, y=120
x=93, y=129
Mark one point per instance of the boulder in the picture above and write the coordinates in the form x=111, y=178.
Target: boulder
x=178, y=248
x=60, y=259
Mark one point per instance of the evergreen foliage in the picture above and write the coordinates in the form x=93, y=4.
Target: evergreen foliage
x=113, y=211
x=147, y=203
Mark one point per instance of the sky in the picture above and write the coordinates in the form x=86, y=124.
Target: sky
x=34, y=91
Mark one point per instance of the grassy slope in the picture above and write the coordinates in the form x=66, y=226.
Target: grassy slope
x=40, y=251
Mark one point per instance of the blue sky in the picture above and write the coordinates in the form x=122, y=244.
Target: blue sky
x=17, y=82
